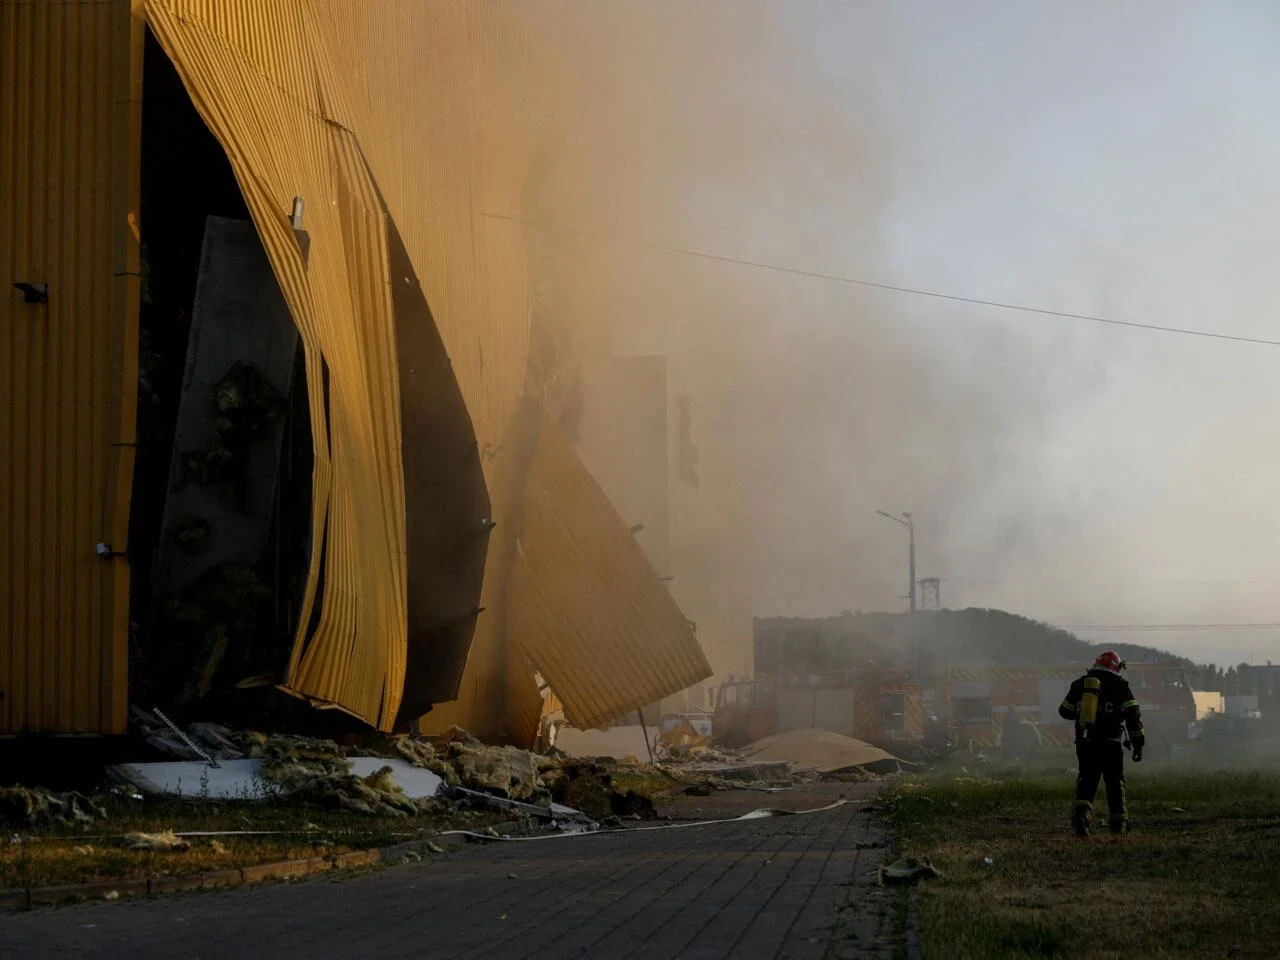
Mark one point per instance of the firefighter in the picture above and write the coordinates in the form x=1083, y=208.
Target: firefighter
x=1103, y=708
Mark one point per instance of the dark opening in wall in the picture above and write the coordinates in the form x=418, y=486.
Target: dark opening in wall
x=177, y=657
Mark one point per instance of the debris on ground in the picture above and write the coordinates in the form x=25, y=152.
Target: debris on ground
x=824, y=752
x=908, y=870
x=505, y=771
x=216, y=741
x=407, y=775
x=589, y=786
x=740, y=774
x=682, y=740
x=164, y=840
x=38, y=807
x=306, y=768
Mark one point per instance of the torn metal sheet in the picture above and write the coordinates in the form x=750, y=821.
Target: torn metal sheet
x=415, y=311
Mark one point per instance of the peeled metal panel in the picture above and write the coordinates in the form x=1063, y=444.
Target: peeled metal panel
x=70, y=92
x=351, y=648
x=585, y=605
x=408, y=119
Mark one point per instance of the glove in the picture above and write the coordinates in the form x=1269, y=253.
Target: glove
x=1137, y=751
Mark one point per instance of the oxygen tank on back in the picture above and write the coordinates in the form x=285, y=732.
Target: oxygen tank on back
x=1089, y=704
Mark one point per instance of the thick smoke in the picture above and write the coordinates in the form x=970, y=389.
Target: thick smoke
x=709, y=128
x=1058, y=469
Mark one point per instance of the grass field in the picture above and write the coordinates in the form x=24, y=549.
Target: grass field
x=1197, y=877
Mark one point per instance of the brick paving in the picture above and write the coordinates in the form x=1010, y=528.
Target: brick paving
x=783, y=887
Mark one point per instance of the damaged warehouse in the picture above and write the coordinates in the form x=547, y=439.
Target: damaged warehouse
x=353, y=482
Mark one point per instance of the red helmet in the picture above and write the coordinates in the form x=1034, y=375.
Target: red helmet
x=1109, y=660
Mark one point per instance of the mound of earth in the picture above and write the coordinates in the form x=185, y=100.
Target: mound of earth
x=821, y=751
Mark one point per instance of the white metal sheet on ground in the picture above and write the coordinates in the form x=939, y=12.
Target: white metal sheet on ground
x=416, y=782
x=243, y=779
x=230, y=780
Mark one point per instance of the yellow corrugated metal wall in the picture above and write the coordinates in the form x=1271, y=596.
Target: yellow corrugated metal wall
x=70, y=111
x=408, y=115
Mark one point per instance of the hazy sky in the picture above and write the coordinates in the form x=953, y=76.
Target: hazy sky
x=1113, y=159
x=1098, y=158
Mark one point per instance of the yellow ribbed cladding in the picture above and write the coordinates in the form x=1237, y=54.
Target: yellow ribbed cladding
x=70, y=102
x=586, y=606
x=403, y=121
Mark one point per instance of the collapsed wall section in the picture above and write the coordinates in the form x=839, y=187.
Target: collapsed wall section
x=361, y=135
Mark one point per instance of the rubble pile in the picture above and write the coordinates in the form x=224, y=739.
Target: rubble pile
x=23, y=807
x=505, y=771
x=307, y=768
x=214, y=740
x=589, y=786
x=318, y=770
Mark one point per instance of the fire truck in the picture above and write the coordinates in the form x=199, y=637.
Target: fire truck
x=989, y=707
x=882, y=707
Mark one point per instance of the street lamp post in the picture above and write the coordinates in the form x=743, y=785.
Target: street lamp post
x=905, y=520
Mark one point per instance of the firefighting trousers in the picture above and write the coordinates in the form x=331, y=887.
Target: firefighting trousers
x=1102, y=760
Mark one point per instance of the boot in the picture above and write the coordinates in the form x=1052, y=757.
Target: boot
x=1118, y=826
x=1080, y=819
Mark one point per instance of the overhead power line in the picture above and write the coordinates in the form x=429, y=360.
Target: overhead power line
x=896, y=288
x=1167, y=627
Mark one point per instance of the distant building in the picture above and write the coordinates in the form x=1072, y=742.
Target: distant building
x=1209, y=703
x=1242, y=706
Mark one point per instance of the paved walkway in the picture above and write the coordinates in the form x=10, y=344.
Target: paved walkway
x=782, y=887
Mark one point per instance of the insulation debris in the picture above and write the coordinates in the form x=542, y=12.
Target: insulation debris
x=164, y=840
x=506, y=771
x=590, y=787
x=38, y=807
x=306, y=768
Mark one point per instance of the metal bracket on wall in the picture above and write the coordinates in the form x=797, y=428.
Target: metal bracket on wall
x=33, y=292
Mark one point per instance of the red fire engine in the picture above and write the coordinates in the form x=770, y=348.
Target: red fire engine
x=979, y=703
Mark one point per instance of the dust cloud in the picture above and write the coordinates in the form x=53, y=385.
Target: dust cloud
x=678, y=138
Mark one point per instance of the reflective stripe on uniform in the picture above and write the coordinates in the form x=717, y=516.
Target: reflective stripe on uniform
x=1128, y=703
x=1068, y=706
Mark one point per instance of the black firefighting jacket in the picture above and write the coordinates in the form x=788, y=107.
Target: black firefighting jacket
x=1117, y=708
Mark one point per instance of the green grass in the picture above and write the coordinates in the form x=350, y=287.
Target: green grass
x=66, y=854
x=1196, y=878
